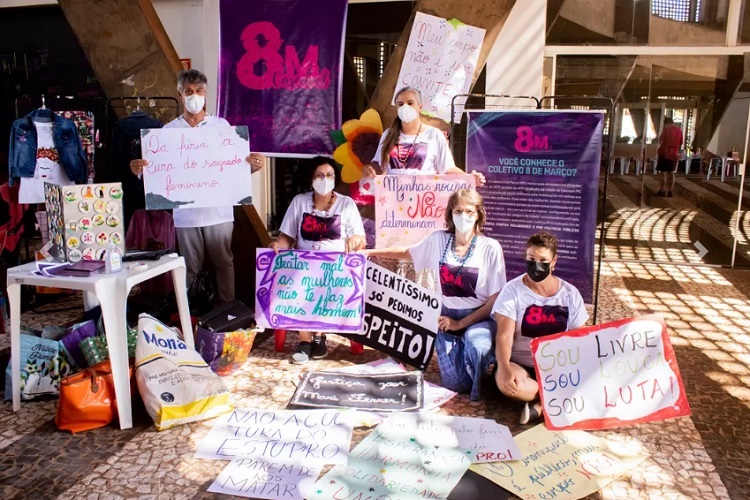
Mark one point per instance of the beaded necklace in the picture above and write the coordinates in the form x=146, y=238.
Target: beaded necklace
x=462, y=260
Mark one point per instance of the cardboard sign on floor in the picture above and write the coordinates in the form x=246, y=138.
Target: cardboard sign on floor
x=381, y=392
x=562, y=464
x=607, y=376
x=247, y=477
x=280, y=436
x=394, y=463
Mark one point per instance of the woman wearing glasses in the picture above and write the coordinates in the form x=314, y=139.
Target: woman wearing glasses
x=471, y=273
x=320, y=220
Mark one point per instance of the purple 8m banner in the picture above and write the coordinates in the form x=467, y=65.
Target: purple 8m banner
x=280, y=72
x=304, y=290
x=542, y=171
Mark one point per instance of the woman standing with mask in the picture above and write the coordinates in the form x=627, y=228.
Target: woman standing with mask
x=410, y=147
x=471, y=273
x=320, y=220
x=532, y=305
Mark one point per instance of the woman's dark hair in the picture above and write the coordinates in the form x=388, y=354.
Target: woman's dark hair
x=470, y=197
x=543, y=239
x=314, y=163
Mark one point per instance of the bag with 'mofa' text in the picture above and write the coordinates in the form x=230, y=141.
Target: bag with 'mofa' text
x=176, y=384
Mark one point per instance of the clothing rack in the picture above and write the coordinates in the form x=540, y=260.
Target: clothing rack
x=162, y=108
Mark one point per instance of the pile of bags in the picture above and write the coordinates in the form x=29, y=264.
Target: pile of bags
x=177, y=383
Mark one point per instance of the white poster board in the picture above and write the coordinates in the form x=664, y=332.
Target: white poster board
x=312, y=437
x=440, y=60
x=247, y=477
x=196, y=167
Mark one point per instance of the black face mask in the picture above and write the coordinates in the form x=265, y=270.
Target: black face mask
x=537, y=271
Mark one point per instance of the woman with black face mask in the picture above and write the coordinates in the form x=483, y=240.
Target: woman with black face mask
x=532, y=305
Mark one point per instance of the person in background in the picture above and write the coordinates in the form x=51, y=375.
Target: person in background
x=670, y=142
x=532, y=305
x=203, y=230
x=320, y=220
x=471, y=272
x=410, y=147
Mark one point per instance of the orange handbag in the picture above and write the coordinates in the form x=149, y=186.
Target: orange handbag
x=85, y=402
x=104, y=368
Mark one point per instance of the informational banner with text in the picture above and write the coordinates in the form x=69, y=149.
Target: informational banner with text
x=542, y=170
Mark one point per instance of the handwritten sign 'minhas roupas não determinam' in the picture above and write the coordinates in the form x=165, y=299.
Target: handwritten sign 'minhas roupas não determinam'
x=610, y=375
x=196, y=167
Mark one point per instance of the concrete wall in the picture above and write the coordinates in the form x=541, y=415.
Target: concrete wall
x=731, y=130
x=594, y=15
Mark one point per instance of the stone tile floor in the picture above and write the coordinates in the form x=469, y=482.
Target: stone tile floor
x=701, y=457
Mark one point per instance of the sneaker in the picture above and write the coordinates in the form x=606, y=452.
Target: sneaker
x=669, y=194
x=302, y=354
x=319, y=349
x=529, y=414
x=661, y=193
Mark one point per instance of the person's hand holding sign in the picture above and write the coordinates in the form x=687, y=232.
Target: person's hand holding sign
x=136, y=166
x=355, y=243
x=256, y=161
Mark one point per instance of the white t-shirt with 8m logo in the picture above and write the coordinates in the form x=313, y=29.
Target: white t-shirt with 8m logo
x=538, y=316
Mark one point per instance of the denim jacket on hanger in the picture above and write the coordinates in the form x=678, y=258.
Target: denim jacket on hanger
x=22, y=157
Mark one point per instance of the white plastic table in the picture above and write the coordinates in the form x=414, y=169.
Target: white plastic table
x=111, y=292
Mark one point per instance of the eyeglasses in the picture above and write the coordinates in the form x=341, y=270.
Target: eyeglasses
x=320, y=177
x=467, y=211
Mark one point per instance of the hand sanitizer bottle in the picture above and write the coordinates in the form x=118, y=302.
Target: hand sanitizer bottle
x=112, y=259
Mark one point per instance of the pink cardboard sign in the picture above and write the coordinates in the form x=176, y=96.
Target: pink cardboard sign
x=611, y=375
x=408, y=208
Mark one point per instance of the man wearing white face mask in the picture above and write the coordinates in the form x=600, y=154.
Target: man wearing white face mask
x=320, y=220
x=202, y=231
x=471, y=272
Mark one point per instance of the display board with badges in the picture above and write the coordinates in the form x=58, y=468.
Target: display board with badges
x=84, y=220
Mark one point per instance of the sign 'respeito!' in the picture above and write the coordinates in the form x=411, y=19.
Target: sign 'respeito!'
x=610, y=375
x=401, y=317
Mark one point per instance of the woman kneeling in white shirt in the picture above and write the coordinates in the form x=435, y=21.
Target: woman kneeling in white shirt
x=532, y=305
x=471, y=272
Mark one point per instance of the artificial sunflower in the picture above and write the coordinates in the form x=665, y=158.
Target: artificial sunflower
x=362, y=138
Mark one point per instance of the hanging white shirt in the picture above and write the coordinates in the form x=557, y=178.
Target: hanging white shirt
x=48, y=168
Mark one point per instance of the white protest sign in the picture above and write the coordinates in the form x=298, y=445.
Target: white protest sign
x=610, y=375
x=283, y=436
x=196, y=167
x=486, y=439
x=251, y=478
x=440, y=60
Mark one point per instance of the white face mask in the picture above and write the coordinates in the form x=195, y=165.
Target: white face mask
x=194, y=103
x=323, y=186
x=407, y=114
x=464, y=223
